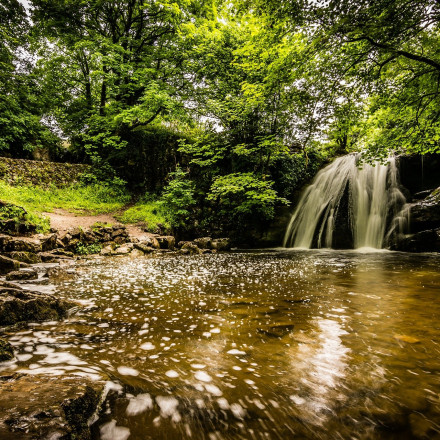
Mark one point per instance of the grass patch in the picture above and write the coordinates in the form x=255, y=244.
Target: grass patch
x=150, y=212
x=90, y=199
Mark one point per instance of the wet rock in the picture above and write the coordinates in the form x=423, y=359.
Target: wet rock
x=166, y=242
x=221, y=244
x=24, y=257
x=146, y=249
x=18, y=305
x=47, y=407
x=62, y=253
x=48, y=242
x=51, y=257
x=8, y=264
x=421, y=428
x=26, y=274
x=408, y=339
x=150, y=241
x=107, y=250
x=190, y=248
x=6, y=351
x=425, y=214
x=4, y=240
x=24, y=245
x=65, y=238
x=276, y=330
x=123, y=250
x=424, y=241
x=203, y=243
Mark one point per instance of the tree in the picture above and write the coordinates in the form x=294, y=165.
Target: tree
x=121, y=65
x=21, y=129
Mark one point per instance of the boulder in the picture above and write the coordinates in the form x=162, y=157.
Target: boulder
x=51, y=257
x=48, y=242
x=26, y=274
x=425, y=214
x=4, y=240
x=23, y=245
x=203, y=243
x=48, y=407
x=151, y=242
x=190, y=248
x=424, y=241
x=24, y=257
x=8, y=264
x=6, y=351
x=221, y=244
x=144, y=248
x=17, y=305
x=124, y=249
x=107, y=250
x=166, y=242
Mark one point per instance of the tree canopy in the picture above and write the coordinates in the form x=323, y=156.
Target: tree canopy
x=228, y=107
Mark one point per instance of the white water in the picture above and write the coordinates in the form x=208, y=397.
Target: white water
x=374, y=199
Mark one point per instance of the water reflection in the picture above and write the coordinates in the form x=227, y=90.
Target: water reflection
x=242, y=346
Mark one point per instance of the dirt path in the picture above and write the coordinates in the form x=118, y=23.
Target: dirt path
x=63, y=220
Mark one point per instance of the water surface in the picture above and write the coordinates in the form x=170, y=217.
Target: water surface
x=262, y=345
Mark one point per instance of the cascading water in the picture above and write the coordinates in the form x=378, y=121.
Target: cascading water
x=373, y=201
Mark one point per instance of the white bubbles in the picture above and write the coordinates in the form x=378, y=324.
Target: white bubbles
x=172, y=373
x=168, y=407
x=139, y=404
x=238, y=411
x=147, y=346
x=110, y=431
x=127, y=371
x=202, y=376
x=236, y=352
x=214, y=390
x=198, y=366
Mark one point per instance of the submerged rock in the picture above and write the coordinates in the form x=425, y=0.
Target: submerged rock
x=18, y=305
x=37, y=407
x=27, y=274
x=6, y=351
x=189, y=248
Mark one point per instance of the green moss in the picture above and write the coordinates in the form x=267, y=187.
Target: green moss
x=88, y=249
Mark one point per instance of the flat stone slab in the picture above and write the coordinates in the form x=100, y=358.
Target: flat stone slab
x=47, y=407
x=18, y=305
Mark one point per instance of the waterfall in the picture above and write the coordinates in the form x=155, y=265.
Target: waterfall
x=369, y=195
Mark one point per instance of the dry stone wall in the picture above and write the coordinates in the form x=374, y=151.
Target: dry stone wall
x=42, y=173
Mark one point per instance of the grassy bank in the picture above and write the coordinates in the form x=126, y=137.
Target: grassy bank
x=84, y=199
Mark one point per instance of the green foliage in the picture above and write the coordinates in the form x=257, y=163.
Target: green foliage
x=149, y=212
x=88, y=249
x=22, y=220
x=178, y=199
x=239, y=197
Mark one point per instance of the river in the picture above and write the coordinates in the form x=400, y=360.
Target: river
x=278, y=344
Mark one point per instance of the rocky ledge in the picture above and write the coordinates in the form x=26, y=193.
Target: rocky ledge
x=424, y=224
x=47, y=407
x=19, y=305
